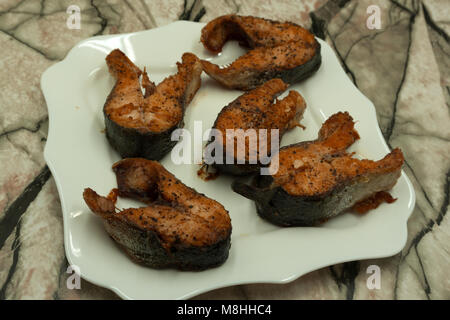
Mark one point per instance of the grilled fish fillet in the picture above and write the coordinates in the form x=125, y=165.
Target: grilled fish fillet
x=317, y=180
x=278, y=50
x=257, y=110
x=179, y=228
x=140, y=124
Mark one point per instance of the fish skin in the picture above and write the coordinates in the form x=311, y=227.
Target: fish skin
x=179, y=228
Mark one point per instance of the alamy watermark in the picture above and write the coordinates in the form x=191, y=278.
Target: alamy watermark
x=374, y=19
x=74, y=280
x=374, y=280
x=235, y=150
x=74, y=19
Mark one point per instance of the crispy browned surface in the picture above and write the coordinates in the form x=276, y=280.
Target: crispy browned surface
x=252, y=32
x=161, y=107
x=285, y=56
x=316, y=168
x=313, y=181
x=176, y=213
x=276, y=46
x=257, y=110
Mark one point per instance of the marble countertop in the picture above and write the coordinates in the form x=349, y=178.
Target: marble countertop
x=402, y=67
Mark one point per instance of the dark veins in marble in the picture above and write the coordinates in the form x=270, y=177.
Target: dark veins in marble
x=10, y=221
x=103, y=20
x=192, y=10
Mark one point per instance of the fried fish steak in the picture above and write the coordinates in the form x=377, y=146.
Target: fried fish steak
x=277, y=50
x=179, y=228
x=317, y=180
x=140, y=116
x=255, y=110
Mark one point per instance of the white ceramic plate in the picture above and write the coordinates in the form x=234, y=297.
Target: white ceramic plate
x=79, y=156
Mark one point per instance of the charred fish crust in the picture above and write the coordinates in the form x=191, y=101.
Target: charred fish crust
x=317, y=180
x=277, y=50
x=251, y=112
x=140, y=124
x=179, y=228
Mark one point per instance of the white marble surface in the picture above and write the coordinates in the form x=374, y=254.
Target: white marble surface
x=403, y=68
